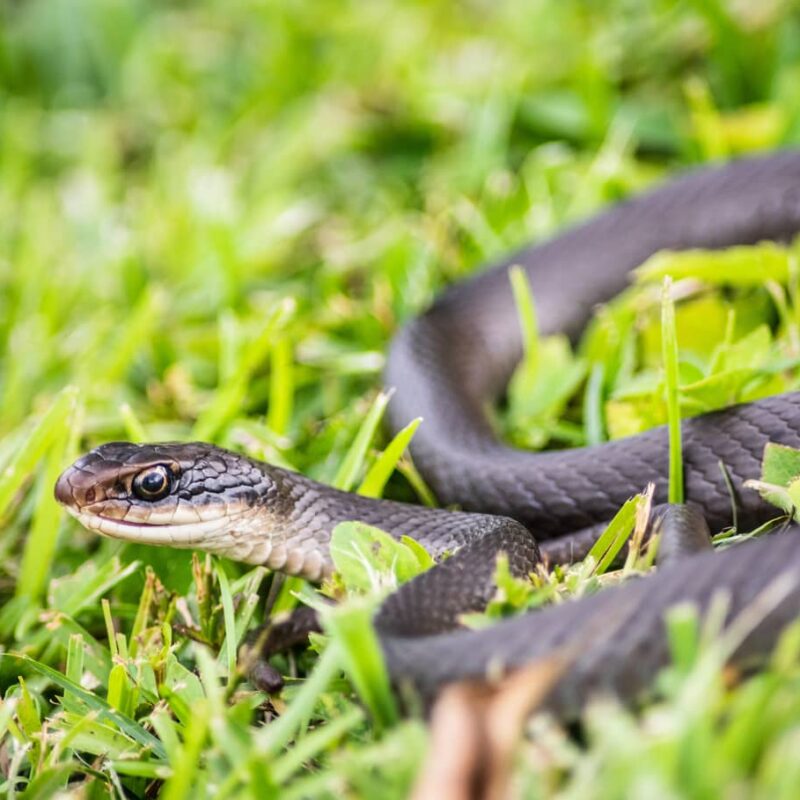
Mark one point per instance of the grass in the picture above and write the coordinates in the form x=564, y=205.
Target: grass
x=213, y=217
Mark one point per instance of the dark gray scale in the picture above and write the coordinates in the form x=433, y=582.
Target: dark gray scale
x=682, y=531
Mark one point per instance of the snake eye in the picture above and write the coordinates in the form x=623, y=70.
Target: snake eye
x=152, y=483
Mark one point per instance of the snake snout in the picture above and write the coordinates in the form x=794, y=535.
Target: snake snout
x=78, y=486
x=69, y=495
x=63, y=490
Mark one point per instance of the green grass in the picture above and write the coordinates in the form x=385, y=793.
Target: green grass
x=213, y=217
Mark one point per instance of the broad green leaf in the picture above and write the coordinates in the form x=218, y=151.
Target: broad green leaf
x=366, y=557
x=627, y=417
x=780, y=464
x=720, y=389
x=117, y=680
x=753, y=351
x=182, y=681
x=747, y=265
x=424, y=558
x=793, y=492
x=702, y=323
x=780, y=477
x=539, y=391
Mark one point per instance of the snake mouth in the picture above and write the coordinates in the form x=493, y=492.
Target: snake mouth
x=201, y=534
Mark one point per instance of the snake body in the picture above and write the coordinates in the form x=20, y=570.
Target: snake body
x=447, y=366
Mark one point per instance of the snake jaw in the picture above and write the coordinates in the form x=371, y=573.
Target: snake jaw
x=239, y=537
x=203, y=535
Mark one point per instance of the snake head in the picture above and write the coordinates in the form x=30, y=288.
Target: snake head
x=183, y=495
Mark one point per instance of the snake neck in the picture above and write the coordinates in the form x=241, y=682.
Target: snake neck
x=297, y=517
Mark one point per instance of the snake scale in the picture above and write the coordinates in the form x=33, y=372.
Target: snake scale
x=447, y=366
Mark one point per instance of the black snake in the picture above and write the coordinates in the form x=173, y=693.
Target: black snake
x=447, y=366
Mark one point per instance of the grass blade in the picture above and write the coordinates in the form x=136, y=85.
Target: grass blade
x=669, y=345
x=387, y=461
x=134, y=429
x=593, y=423
x=354, y=459
x=40, y=545
x=315, y=742
x=275, y=737
x=351, y=626
x=608, y=545
x=128, y=726
x=281, y=385
x=229, y=617
x=229, y=398
x=42, y=437
x=526, y=311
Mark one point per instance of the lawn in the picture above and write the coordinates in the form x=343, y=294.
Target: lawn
x=213, y=218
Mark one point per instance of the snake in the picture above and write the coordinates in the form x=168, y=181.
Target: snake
x=448, y=366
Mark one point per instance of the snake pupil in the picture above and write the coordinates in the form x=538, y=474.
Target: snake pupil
x=152, y=484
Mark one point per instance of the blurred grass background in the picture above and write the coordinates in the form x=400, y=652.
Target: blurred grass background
x=214, y=215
